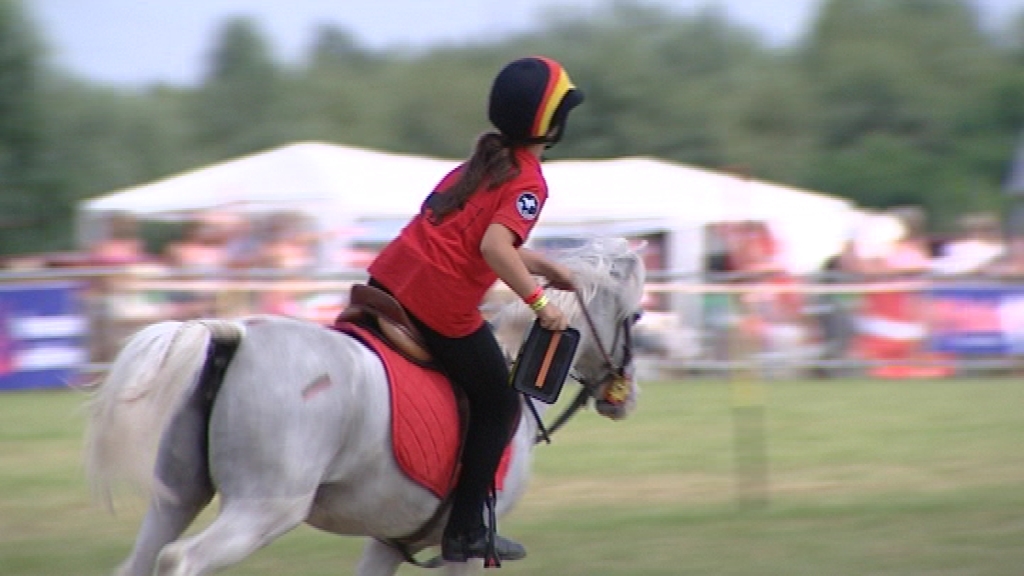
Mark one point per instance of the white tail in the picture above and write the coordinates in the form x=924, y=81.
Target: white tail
x=155, y=370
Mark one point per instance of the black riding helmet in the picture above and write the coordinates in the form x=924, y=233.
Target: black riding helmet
x=531, y=99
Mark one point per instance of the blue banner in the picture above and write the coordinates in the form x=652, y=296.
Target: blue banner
x=977, y=320
x=42, y=335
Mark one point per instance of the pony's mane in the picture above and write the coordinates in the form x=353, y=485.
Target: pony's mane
x=592, y=264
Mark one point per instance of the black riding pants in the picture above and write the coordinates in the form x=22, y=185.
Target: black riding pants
x=476, y=363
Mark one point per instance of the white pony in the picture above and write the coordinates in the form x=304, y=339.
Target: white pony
x=289, y=422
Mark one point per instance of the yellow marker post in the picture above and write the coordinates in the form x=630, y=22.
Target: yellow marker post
x=748, y=409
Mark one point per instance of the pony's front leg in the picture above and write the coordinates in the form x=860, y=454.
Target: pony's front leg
x=378, y=559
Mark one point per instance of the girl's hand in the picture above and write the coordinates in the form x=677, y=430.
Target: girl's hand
x=552, y=318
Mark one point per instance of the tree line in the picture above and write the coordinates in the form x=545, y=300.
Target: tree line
x=886, y=103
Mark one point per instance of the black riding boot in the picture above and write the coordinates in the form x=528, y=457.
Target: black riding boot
x=483, y=542
x=462, y=548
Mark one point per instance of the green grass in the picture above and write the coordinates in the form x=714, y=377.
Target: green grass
x=879, y=478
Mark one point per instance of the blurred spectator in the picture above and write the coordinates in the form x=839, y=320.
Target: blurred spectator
x=201, y=248
x=772, y=314
x=873, y=242
x=892, y=327
x=241, y=241
x=199, y=251
x=122, y=244
x=108, y=305
x=911, y=254
x=978, y=246
x=289, y=244
x=834, y=312
x=718, y=309
x=1011, y=264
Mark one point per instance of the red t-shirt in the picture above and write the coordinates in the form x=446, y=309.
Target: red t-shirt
x=436, y=270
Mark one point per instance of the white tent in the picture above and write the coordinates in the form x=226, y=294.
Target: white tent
x=355, y=188
x=657, y=195
x=330, y=182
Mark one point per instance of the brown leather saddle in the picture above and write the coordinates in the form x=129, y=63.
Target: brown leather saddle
x=380, y=312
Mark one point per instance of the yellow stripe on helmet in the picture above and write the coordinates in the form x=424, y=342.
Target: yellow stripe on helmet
x=559, y=88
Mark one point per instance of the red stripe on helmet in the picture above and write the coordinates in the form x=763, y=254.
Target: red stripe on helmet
x=555, y=72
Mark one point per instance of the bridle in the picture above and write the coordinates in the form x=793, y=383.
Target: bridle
x=589, y=388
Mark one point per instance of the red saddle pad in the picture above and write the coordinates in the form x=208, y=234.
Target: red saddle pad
x=425, y=431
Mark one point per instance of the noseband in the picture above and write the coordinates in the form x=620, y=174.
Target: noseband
x=589, y=388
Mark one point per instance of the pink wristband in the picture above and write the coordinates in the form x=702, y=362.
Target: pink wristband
x=529, y=300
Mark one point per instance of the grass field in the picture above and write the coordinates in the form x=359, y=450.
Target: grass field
x=864, y=478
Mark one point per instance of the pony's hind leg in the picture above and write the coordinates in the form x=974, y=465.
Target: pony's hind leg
x=242, y=527
x=183, y=489
x=164, y=522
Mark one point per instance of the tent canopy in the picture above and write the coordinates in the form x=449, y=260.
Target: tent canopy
x=653, y=194
x=301, y=176
x=342, y=186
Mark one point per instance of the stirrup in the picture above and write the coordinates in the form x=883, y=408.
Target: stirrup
x=463, y=548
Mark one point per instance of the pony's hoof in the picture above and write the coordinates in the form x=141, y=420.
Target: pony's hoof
x=172, y=562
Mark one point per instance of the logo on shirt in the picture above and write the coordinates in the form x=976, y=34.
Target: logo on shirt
x=527, y=205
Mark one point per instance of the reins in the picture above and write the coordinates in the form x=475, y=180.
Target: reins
x=597, y=337
x=543, y=433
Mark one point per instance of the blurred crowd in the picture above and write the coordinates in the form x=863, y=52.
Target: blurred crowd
x=866, y=310
x=865, y=307
x=213, y=241
x=190, y=259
